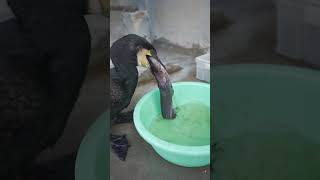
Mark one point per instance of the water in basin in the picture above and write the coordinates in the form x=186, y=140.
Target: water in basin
x=191, y=127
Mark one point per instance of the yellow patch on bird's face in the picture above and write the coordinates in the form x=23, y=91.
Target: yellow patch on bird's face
x=142, y=57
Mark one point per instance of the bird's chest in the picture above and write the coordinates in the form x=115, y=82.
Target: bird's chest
x=123, y=90
x=129, y=89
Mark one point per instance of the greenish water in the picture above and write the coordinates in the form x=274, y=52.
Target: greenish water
x=191, y=126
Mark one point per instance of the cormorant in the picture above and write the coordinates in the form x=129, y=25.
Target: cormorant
x=44, y=53
x=126, y=53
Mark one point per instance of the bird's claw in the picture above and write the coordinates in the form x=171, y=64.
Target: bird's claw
x=119, y=145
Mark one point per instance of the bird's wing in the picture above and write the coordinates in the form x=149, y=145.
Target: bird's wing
x=119, y=92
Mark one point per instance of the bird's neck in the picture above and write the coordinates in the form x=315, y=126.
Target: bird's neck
x=123, y=65
x=128, y=71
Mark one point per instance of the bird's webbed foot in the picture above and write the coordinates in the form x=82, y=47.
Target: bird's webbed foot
x=119, y=145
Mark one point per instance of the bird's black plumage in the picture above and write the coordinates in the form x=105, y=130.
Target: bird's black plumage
x=124, y=78
x=44, y=53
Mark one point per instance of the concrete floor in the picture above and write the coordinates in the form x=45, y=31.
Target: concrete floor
x=142, y=161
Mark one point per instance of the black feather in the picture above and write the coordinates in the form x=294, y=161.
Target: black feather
x=123, y=82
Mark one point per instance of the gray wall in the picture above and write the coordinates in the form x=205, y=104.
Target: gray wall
x=183, y=22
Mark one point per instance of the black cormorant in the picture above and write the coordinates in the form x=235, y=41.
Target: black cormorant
x=126, y=53
x=44, y=53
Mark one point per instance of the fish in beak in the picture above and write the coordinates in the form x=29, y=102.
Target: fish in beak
x=164, y=84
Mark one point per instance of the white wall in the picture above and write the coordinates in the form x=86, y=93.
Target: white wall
x=182, y=22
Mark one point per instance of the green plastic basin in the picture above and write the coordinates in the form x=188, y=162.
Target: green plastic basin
x=149, y=107
x=92, y=157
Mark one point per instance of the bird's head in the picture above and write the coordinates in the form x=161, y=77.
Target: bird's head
x=133, y=49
